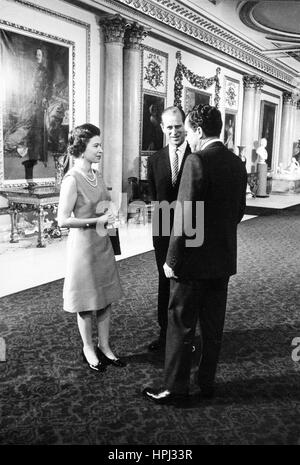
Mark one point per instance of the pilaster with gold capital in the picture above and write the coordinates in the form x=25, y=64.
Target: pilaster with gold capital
x=249, y=81
x=287, y=98
x=114, y=27
x=258, y=83
x=287, y=129
x=249, y=105
x=134, y=35
x=294, y=112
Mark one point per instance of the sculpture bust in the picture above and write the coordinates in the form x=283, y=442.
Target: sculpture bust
x=261, y=152
x=291, y=173
x=293, y=167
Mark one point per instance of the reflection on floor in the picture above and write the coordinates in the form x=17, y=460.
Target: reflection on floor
x=24, y=266
x=275, y=201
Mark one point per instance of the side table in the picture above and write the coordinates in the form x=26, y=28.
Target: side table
x=37, y=199
x=140, y=210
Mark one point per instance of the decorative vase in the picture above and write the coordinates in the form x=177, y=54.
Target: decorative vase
x=242, y=153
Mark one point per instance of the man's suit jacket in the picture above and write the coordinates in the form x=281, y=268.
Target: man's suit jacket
x=217, y=177
x=160, y=176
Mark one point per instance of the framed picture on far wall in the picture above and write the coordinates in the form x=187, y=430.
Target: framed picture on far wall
x=154, y=70
x=231, y=94
x=152, y=135
x=194, y=97
x=267, y=122
x=229, y=130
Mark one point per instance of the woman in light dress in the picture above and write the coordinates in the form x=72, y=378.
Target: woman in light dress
x=92, y=281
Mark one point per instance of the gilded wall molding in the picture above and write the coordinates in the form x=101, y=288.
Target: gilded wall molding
x=287, y=98
x=134, y=35
x=200, y=82
x=113, y=27
x=185, y=20
x=251, y=81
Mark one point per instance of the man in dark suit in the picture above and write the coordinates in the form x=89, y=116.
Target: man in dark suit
x=211, y=196
x=164, y=173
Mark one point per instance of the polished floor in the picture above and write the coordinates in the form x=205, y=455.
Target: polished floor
x=50, y=397
x=24, y=266
x=275, y=201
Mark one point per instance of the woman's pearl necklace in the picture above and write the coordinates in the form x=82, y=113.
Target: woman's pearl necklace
x=92, y=181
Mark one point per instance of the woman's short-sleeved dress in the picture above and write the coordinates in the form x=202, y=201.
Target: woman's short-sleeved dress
x=92, y=280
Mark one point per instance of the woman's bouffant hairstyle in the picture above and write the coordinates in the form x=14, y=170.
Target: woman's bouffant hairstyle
x=206, y=117
x=79, y=138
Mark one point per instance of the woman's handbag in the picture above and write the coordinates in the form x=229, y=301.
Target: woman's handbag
x=115, y=240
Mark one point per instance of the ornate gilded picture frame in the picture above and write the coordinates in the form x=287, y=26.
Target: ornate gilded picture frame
x=154, y=71
x=267, y=125
x=230, y=130
x=231, y=94
x=194, y=97
x=37, y=104
x=152, y=135
x=154, y=85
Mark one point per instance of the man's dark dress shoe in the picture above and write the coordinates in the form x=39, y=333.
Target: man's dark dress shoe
x=100, y=367
x=157, y=344
x=206, y=391
x=116, y=362
x=163, y=396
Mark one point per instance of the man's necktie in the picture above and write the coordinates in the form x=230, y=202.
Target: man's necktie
x=175, y=167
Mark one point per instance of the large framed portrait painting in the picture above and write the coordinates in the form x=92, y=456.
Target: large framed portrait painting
x=229, y=130
x=34, y=106
x=267, y=124
x=152, y=135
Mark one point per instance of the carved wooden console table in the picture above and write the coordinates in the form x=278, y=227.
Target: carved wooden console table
x=36, y=198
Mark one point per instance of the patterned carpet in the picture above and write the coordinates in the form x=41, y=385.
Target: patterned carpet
x=48, y=396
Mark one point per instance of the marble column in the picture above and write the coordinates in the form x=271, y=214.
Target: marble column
x=131, y=101
x=293, y=125
x=114, y=29
x=285, y=151
x=248, y=118
x=262, y=171
x=259, y=83
x=297, y=128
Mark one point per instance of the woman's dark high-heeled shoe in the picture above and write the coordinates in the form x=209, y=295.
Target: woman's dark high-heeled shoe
x=116, y=362
x=99, y=367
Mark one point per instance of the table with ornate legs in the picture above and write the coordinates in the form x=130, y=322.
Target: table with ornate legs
x=140, y=210
x=38, y=199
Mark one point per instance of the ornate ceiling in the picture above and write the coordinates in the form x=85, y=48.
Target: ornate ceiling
x=272, y=25
x=279, y=21
x=263, y=34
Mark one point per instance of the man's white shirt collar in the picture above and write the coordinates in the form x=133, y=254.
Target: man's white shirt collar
x=210, y=141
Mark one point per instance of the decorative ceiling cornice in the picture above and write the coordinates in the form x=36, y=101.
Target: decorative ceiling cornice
x=188, y=21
